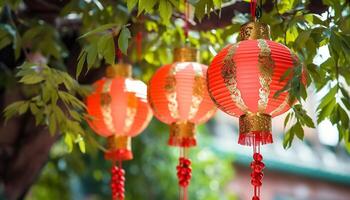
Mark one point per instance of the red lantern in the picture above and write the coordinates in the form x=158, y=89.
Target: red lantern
x=118, y=110
x=242, y=81
x=178, y=95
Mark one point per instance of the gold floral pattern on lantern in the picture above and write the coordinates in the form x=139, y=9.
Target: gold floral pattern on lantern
x=266, y=66
x=281, y=107
x=228, y=72
x=106, y=105
x=198, y=91
x=170, y=88
x=130, y=111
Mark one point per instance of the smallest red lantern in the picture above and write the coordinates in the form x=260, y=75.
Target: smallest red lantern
x=118, y=110
x=178, y=95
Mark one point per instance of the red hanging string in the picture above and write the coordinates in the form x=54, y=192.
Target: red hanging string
x=118, y=182
x=184, y=173
x=187, y=13
x=138, y=39
x=253, y=9
x=119, y=55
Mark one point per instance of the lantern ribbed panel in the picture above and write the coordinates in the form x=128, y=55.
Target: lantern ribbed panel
x=247, y=69
x=178, y=92
x=118, y=106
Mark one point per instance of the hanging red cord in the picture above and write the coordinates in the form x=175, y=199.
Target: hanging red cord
x=138, y=40
x=253, y=9
x=187, y=13
x=119, y=55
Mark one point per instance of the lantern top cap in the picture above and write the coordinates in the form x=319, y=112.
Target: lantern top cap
x=185, y=54
x=254, y=30
x=119, y=69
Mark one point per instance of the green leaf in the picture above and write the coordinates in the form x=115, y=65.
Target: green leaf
x=91, y=55
x=286, y=74
x=165, y=10
x=23, y=108
x=326, y=111
x=298, y=131
x=344, y=118
x=31, y=79
x=131, y=4
x=80, y=64
x=81, y=144
x=4, y=42
x=100, y=29
x=52, y=124
x=286, y=120
x=68, y=140
x=123, y=40
x=33, y=108
x=288, y=139
x=12, y=109
x=106, y=48
x=328, y=98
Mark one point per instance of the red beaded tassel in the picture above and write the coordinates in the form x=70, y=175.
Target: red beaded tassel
x=257, y=167
x=184, y=173
x=118, y=182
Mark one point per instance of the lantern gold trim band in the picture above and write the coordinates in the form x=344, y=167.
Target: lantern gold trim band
x=185, y=54
x=254, y=31
x=120, y=69
x=182, y=134
x=119, y=148
x=251, y=122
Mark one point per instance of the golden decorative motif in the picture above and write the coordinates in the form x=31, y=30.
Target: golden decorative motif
x=106, y=105
x=266, y=66
x=251, y=122
x=208, y=115
x=254, y=31
x=228, y=73
x=170, y=88
x=120, y=69
x=185, y=54
x=281, y=107
x=130, y=112
x=198, y=90
x=182, y=129
x=116, y=142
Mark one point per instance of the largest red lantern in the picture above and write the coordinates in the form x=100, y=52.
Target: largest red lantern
x=242, y=81
x=118, y=110
x=178, y=96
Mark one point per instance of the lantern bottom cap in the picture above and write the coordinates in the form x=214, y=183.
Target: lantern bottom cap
x=119, y=148
x=119, y=155
x=182, y=134
x=255, y=129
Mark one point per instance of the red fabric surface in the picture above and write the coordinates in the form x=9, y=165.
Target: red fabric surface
x=125, y=94
x=184, y=89
x=247, y=71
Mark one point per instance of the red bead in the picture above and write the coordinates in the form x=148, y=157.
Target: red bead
x=257, y=157
x=255, y=198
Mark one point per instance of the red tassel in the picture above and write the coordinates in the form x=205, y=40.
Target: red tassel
x=257, y=137
x=184, y=174
x=117, y=183
x=183, y=142
x=257, y=167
